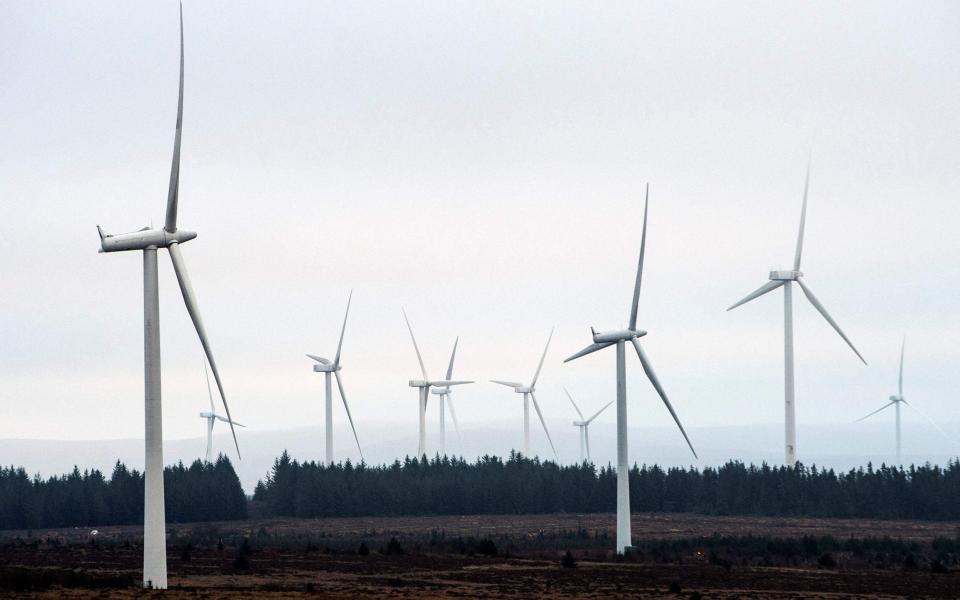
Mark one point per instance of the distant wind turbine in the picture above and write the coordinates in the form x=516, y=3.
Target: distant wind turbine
x=212, y=416
x=424, y=385
x=333, y=368
x=584, y=425
x=148, y=240
x=445, y=393
x=786, y=279
x=528, y=394
x=603, y=339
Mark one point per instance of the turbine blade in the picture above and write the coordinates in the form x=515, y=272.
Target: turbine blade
x=206, y=373
x=453, y=413
x=586, y=439
x=448, y=383
x=597, y=414
x=803, y=220
x=173, y=192
x=577, y=408
x=180, y=268
x=903, y=346
x=507, y=383
x=453, y=355
x=643, y=245
x=319, y=359
x=536, y=407
x=226, y=420
x=648, y=369
x=336, y=359
x=887, y=405
x=343, y=397
x=589, y=350
x=763, y=289
x=929, y=420
x=823, y=311
x=543, y=356
x=415, y=347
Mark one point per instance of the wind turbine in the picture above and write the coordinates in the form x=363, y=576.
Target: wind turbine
x=603, y=339
x=584, y=425
x=212, y=417
x=149, y=240
x=444, y=393
x=333, y=368
x=786, y=279
x=528, y=394
x=424, y=385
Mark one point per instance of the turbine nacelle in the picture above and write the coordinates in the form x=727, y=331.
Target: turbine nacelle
x=611, y=337
x=208, y=415
x=524, y=389
x=440, y=391
x=896, y=399
x=142, y=239
x=785, y=275
x=326, y=368
x=418, y=383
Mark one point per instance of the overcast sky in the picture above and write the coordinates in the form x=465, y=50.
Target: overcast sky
x=481, y=164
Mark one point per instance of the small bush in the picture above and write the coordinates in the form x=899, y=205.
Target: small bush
x=675, y=587
x=363, y=550
x=394, y=547
x=486, y=547
x=568, y=562
x=826, y=561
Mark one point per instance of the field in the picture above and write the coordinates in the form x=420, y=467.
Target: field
x=495, y=556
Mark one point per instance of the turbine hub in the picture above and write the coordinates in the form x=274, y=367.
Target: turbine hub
x=143, y=239
x=622, y=335
x=785, y=275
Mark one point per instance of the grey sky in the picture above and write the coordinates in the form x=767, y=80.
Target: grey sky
x=481, y=164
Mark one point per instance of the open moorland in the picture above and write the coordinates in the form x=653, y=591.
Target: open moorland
x=494, y=556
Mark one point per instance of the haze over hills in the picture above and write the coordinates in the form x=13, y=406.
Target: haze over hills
x=837, y=446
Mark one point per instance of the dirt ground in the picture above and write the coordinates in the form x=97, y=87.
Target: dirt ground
x=318, y=558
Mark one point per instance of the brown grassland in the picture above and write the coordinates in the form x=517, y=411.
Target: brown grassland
x=488, y=556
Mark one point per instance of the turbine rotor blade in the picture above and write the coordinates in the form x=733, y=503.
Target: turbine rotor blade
x=343, y=397
x=929, y=420
x=336, y=360
x=763, y=289
x=536, y=407
x=180, y=268
x=507, y=383
x=453, y=413
x=226, y=420
x=206, y=374
x=887, y=405
x=319, y=359
x=597, y=414
x=648, y=369
x=589, y=350
x=903, y=346
x=173, y=193
x=453, y=355
x=823, y=311
x=803, y=221
x=543, y=356
x=577, y=408
x=447, y=383
x=643, y=245
x=415, y=347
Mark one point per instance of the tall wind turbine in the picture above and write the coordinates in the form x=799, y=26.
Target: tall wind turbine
x=528, y=395
x=785, y=279
x=333, y=368
x=424, y=385
x=148, y=241
x=584, y=425
x=212, y=417
x=603, y=339
x=444, y=393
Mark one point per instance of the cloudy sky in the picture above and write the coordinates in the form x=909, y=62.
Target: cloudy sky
x=482, y=165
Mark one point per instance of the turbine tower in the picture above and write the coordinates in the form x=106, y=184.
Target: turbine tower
x=424, y=385
x=444, y=393
x=333, y=368
x=212, y=417
x=603, y=339
x=785, y=279
x=584, y=425
x=149, y=240
x=528, y=395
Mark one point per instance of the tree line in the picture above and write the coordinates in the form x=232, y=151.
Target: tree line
x=200, y=492
x=517, y=485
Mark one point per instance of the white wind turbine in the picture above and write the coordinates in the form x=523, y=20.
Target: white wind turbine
x=333, y=368
x=786, y=279
x=528, y=395
x=212, y=417
x=584, y=425
x=148, y=240
x=603, y=339
x=424, y=385
x=444, y=393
